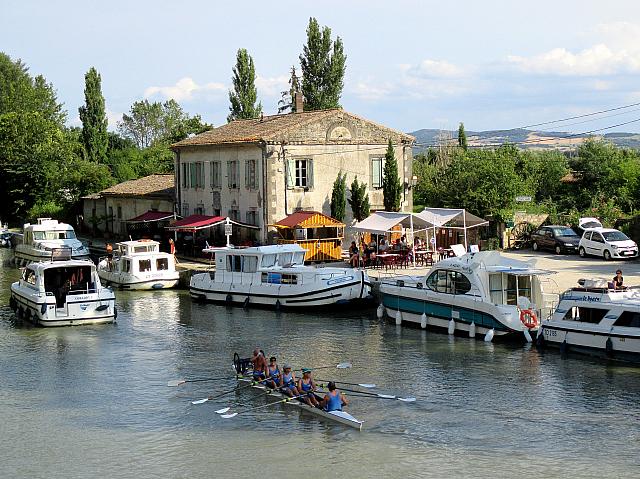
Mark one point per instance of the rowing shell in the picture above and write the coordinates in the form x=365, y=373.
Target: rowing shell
x=341, y=417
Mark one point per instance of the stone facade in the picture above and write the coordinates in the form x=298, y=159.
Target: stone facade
x=267, y=169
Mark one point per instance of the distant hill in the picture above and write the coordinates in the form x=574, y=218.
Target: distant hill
x=530, y=139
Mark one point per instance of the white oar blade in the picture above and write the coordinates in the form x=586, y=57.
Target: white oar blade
x=343, y=366
x=411, y=399
x=223, y=410
x=386, y=396
x=200, y=401
x=175, y=383
x=367, y=385
x=229, y=416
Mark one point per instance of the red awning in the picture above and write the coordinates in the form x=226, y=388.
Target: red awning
x=196, y=222
x=151, y=216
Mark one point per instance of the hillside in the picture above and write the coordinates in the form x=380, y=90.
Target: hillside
x=533, y=139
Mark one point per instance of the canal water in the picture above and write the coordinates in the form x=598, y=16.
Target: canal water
x=82, y=402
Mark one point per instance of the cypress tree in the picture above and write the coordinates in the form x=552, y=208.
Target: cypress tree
x=462, y=137
x=339, y=197
x=244, y=95
x=391, y=187
x=323, y=64
x=95, y=137
x=359, y=200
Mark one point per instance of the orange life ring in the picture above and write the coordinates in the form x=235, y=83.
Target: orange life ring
x=529, y=318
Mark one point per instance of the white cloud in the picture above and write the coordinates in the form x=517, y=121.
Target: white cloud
x=594, y=61
x=272, y=86
x=620, y=35
x=185, y=89
x=433, y=69
x=367, y=90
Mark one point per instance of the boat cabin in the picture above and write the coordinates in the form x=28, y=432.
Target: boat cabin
x=47, y=230
x=269, y=260
x=130, y=248
x=141, y=256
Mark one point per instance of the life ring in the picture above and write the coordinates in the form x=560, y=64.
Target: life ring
x=529, y=318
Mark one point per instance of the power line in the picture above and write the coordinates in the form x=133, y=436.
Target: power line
x=579, y=116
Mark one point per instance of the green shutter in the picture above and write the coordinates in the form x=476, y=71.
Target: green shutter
x=309, y=173
x=192, y=171
x=291, y=173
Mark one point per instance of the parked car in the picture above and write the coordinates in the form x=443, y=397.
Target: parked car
x=607, y=243
x=560, y=239
x=586, y=223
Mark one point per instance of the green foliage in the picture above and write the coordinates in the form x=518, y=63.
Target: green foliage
x=323, y=64
x=605, y=209
x=45, y=209
x=359, y=200
x=339, y=197
x=288, y=100
x=244, y=95
x=391, y=186
x=94, y=119
x=462, y=137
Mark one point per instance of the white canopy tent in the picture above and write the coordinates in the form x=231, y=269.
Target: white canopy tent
x=451, y=218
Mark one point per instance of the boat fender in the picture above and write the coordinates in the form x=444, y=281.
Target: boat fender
x=278, y=306
x=489, y=336
x=564, y=348
x=472, y=330
x=245, y=305
x=608, y=347
x=527, y=335
x=115, y=313
x=20, y=312
x=229, y=298
x=423, y=321
x=43, y=308
x=452, y=326
x=27, y=314
x=540, y=344
x=399, y=317
x=380, y=311
x=13, y=304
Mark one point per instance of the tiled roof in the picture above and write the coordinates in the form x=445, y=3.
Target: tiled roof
x=152, y=185
x=273, y=128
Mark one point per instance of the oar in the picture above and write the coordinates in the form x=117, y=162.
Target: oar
x=376, y=395
x=177, y=382
x=287, y=399
x=337, y=366
x=209, y=398
x=362, y=385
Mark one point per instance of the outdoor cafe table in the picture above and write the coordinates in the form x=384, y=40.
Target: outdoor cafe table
x=387, y=259
x=424, y=256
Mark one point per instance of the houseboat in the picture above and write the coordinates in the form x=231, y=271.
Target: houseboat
x=480, y=293
x=595, y=319
x=62, y=292
x=139, y=265
x=275, y=276
x=40, y=239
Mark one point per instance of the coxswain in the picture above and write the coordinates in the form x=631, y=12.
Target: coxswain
x=334, y=399
x=288, y=381
x=307, y=387
x=273, y=374
x=259, y=365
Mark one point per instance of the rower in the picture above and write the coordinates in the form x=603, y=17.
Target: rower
x=334, y=399
x=259, y=365
x=273, y=374
x=307, y=387
x=288, y=381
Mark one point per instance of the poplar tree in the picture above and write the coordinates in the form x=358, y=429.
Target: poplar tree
x=244, y=94
x=339, y=197
x=93, y=116
x=323, y=64
x=391, y=187
x=359, y=200
x=462, y=137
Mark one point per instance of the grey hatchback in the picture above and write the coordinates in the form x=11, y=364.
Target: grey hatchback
x=560, y=239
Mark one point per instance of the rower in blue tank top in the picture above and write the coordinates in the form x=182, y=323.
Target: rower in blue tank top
x=289, y=381
x=273, y=374
x=334, y=399
x=307, y=387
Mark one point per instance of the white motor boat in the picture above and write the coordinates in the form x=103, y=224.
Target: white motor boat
x=39, y=240
x=139, y=265
x=596, y=319
x=480, y=293
x=275, y=276
x=62, y=292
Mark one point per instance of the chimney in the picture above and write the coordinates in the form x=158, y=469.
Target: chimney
x=298, y=101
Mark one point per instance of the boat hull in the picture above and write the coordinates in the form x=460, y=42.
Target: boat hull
x=341, y=417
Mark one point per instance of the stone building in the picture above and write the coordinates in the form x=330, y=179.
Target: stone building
x=259, y=171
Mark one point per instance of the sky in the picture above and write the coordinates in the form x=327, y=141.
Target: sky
x=410, y=64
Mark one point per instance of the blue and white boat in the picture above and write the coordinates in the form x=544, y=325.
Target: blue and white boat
x=480, y=293
x=276, y=276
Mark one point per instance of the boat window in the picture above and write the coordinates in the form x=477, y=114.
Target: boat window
x=125, y=264
x=268, y=260
x=629, y=319
x=449, y=282
x=144, y=265
x=162, y=264
x=585, y=315
x=140, y=249
x=298, y=258
x=512, y=293
x=284, y=259
x=234, y=263
x=524, y=286
x=272, y=278
x=70, y=234
x=250, y=264
x=495, y=288
x=29, y=276
x=289, y=279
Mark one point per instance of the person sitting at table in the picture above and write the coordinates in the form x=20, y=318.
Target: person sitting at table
x=382, y=247
x=354, y=255
x=403, y=242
